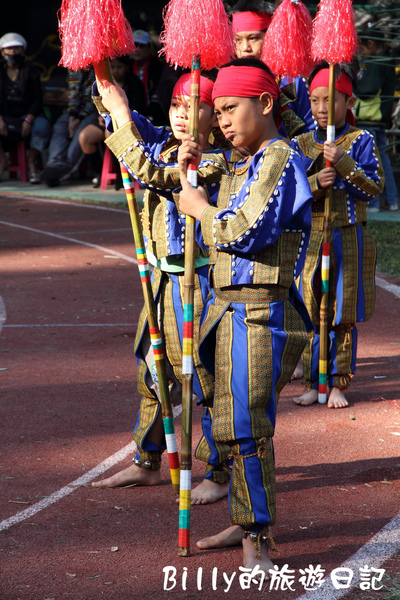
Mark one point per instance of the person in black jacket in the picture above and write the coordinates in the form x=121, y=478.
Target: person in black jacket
x=374, y=105
x=21, y=106
x=92, y=135
x=149, y=69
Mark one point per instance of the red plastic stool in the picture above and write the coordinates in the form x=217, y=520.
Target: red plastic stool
x=108, y=174
x=18, y=163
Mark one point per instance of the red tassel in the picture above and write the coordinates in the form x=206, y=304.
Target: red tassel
x=334, y=32
x=287, y=43
x=91, y=31
x=197, y=28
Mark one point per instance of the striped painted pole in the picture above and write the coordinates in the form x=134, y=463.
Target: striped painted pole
x=323, y=314
x=323, y=358
x=155, y=334
x=187, y=346
x=103, y=73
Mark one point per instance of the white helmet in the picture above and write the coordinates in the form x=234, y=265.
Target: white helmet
x=12, y=39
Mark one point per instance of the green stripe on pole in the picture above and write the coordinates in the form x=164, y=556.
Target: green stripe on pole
x=184, y=519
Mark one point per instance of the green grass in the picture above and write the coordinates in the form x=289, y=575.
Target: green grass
x=387, y=238
x=389, y=591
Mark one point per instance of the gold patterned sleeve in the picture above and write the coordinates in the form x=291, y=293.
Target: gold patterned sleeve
x=153, y=160
x=317, y=192
x=360, y=168
x=255, y=216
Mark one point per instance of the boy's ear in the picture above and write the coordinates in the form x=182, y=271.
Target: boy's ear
x=267, y=102
x=214, y=122
x=351, y=101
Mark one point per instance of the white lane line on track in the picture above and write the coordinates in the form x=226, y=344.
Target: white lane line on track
x=98, y=231
x=373, y=554
x=68, y=489
x=70, y=203
x=70, y=324
x=3, y=314
x=389, y=287
x=73, y=240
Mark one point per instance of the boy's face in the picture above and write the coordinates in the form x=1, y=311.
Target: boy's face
x=249, y=44
x=179, y=116
x=319, y=99
x=242, y=121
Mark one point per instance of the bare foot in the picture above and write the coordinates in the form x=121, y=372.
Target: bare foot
x=208, y=492
x=229, y=537
x=250, y=559
x=298, y=372
x=308, y=398
x=132, y=475
x=337, y=399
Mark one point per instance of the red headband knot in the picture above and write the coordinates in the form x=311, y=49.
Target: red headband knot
x=244, y=82
x=250, y=21
x=343, y=84
x=182, y=88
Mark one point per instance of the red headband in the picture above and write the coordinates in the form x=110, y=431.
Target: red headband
x=244, y=82
x=343, y=84
x=182, y=88
x=250, y=21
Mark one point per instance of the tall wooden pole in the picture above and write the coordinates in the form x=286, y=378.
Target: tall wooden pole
x=188, y=314
x=325, y=259
x=103, y=73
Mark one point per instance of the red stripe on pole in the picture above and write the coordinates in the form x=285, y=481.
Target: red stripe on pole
x=188, y=329
x=173, y=459
x=184, y=538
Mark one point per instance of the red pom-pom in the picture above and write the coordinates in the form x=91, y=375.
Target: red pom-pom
x=287, y=43
x=334, y=32
x=91, y=31
x=197, y=28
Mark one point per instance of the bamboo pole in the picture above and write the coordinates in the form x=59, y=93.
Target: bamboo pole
x=325, y=259
x=187, y=354
x=103, y=72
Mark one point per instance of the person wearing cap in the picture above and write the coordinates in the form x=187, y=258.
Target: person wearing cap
x=374, y=105
x=253, y=327
x=149, y=69
x=21, y=105
x=357, y=177
x=149, y=154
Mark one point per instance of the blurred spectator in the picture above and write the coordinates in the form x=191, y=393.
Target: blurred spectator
x=148, y=68
x=65, y=153
x=166, y=84
x=92, y=135
x=374, y=105
x=21, y=106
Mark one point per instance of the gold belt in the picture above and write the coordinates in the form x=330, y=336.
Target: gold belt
x=252, y=294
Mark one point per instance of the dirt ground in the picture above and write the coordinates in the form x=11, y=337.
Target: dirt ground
x=70, y=297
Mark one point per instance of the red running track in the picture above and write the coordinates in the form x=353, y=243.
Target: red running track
x=70, y=297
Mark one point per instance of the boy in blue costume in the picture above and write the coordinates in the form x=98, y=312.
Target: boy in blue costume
x=357, y=177
x=150, y=155
x=254, y=322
